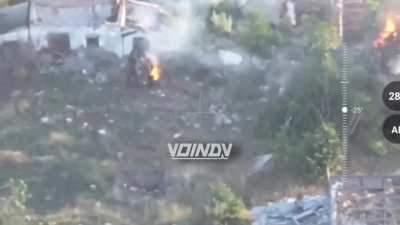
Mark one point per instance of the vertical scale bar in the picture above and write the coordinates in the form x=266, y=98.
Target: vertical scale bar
x=345, y=112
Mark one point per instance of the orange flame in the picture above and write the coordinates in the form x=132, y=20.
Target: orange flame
x=388, y=32
x=155, y=70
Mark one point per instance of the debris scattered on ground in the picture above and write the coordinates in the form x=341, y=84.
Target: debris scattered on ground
x=316, y=211
x=13, y=157
x=366, y=200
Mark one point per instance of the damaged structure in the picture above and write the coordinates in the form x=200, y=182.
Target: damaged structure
x=109, y=24
x=364, y=200
x=316, y=211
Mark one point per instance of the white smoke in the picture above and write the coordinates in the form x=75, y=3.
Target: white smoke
x=291, y=12
x=187, y=21
x=394, y=65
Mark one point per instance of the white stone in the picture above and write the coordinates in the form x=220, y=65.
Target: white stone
x=102, y=131
x=177, y=135
x=69, y=120
x=45, y=119
x=230, y=58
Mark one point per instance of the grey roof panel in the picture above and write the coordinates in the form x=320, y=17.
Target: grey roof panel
x=14, y=17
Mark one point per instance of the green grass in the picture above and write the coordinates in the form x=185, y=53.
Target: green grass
x=3, y=3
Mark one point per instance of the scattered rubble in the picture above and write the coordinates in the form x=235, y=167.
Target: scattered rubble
x=316, y=211
x=61, y=138
x=364, y=200
x=13, y=157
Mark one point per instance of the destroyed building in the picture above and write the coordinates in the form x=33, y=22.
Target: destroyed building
x=366, y=200
x=316, y=212
x=108, y=24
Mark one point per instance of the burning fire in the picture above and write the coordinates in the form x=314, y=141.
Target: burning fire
x=155, y=72
x=388, y=33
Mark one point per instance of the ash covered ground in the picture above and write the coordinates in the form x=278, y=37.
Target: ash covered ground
x=80, y=130
x=73, y=129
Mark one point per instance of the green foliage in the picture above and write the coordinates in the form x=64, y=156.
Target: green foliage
x=374, y=5
x=226, y=205
x=313, y=154
x=366, y=92
x=257, y=35
x=226, y=6
x=20, y=189
x=222, y=21
x=298, y=123
x=229, y=7
x=3, y=3
x=323, y=151
x=92, y=172
x=223, y=16
x=323, y=39
x=13, y=211
x=325, y=36
x=378, y=147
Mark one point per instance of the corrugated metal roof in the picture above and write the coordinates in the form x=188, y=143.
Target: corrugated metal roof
x=14, y=17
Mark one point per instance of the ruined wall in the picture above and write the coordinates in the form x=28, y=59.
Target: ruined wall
x=78, y=21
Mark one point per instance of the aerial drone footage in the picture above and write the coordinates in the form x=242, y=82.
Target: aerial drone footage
x=224, y=112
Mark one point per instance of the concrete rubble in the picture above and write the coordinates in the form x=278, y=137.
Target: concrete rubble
x=316, y=212
x=364, y=200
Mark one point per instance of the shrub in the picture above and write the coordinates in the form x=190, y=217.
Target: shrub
x=257, y=35
x=13, y=211
x=3, y=3
x=222, y=21
x=226, y=206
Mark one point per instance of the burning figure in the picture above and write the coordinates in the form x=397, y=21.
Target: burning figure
x=142, y=64
x=155, y=71
x=388, y=43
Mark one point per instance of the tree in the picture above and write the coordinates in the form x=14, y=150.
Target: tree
x=3, y=3
x=13, y=210
x=366, y=92
x=222, y=21
x=323, y=151
x=257, y=35
x=312, y=155
x=374, y=5
x=226, y=206
x=298, y=123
